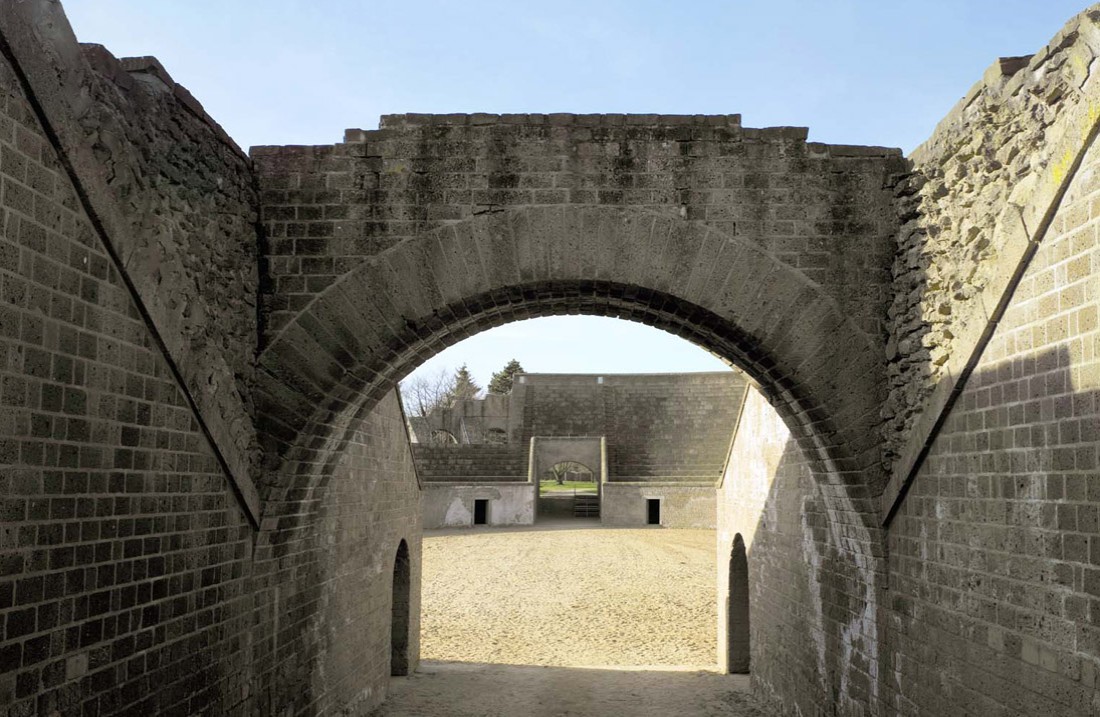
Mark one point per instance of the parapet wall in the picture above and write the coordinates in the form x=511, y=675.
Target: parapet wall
x=825, y=211
x=659, y=427
x=470, y=463
x=171, y=197
x=981, y=195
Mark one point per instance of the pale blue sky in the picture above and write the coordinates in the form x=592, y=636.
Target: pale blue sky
x=301, y=71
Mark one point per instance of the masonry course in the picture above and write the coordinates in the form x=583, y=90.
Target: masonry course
x=656, y=436
x=204, y=470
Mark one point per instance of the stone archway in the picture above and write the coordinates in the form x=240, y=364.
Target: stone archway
x=323, y=372
x=361, y=335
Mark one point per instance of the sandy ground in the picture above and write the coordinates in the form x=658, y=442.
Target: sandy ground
x=467, y=690
x=560, y=595
x=574, y=614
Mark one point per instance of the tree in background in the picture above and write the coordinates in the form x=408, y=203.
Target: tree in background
x=464, y=387
x=501, y=382
x=424, y=393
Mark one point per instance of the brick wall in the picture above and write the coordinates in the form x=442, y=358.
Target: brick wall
x=326, y=208
x=125, y=555
x=981, y=192
x=659, y=427
x=470, y=463
x=994, y=552
x=671, y=427
x=389, y=247
x=322, y=644
x=132, y=580
x=813, y=588
x=176, y=199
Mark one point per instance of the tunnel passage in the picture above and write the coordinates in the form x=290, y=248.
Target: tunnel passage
x=113, y=388
x=321, y=374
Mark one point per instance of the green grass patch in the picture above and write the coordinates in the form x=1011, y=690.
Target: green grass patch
x=569, y=486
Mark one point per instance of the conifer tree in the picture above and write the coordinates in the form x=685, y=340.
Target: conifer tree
x=501, y=382
x=464, y=386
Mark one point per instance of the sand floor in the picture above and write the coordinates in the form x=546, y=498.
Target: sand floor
x=565, y=596
x=579, y=621
x=447, y=689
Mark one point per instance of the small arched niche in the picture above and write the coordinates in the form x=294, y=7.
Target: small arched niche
x=399, y=612
x=738, y=608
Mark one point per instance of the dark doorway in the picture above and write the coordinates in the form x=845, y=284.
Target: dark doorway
x=653, y=511
x=481, y=511
x=738, y=608
x=399, y=613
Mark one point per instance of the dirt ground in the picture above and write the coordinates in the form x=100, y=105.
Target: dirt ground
x=570, y=597
x=447, y=689
x=580, y=621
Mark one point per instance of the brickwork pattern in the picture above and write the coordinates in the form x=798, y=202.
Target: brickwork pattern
x=175, y=199
x=124, y=558
x=822, y=210
x=470, y=463
x=131, y=581
x=814, y=580
x=981, y=189
x=995, y=550
x=323, y=577
x=660, y=427
x=353, y=344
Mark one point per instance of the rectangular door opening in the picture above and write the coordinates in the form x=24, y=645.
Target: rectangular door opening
x=481, y=511
x=653, y=511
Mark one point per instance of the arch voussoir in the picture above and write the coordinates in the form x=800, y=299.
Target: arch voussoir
x=397, y=309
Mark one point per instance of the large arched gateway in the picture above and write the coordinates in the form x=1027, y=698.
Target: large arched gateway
x=768, y=251
x=204, y=468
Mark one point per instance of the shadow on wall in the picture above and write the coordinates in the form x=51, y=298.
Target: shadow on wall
x=813, y=576
x=988, y=599
x=399, y=612
x=994, y=552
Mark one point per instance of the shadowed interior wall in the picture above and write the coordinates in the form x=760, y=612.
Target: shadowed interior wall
x=995, y=550
x=737, y=608
x=125, y=553
x=325, y=645
x=810, y=596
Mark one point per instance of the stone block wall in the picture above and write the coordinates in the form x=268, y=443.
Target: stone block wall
x=981, y=193
x=682, y=506
x=470, y=463
x=559, y=405
x=133, y=579
x=671, y=427
x=824, y=211
x=175, y=199
x=323, y=589
x=813, y=590
x=124, y=554
x=995, y=550
x=659, y=427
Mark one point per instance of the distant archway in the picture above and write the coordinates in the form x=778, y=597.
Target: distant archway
x=442, y=437
x=737, y=605
x=399, y=612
